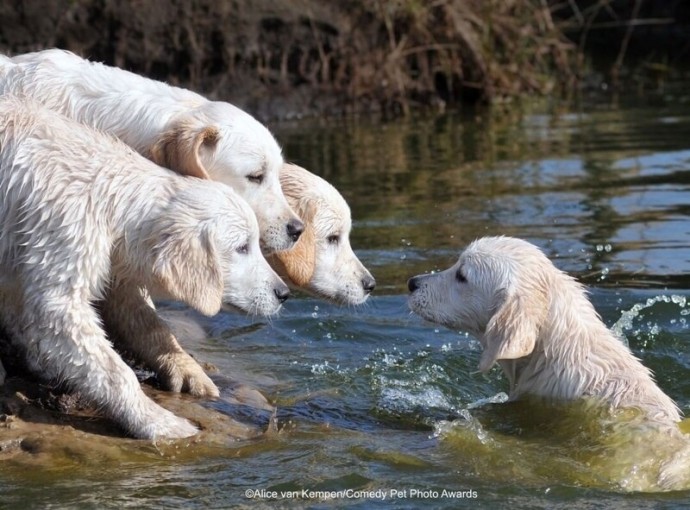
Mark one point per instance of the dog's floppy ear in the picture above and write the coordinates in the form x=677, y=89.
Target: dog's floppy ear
x=178, y=147
x=513, y=330
x=298, y=262
x=186, y=264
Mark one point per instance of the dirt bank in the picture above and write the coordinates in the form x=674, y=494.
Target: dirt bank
x=42, y=427
x=303, y=57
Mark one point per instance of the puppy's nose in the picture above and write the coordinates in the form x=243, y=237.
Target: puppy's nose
x=282, y=293
x=413, y=283
x=295, y=229
x=368, y=284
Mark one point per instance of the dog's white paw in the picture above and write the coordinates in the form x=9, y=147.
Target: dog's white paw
x=179, y=372
x=166, y=425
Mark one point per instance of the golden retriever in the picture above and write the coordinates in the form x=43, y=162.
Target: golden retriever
x=80, y=208
x=537, y=323
x=176, y=128
x=172, y=126
x=322, y=261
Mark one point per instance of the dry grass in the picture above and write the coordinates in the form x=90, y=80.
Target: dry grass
x=406, y=51
x=352, y=55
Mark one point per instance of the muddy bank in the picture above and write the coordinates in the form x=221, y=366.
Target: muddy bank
x=306, y=57
x=41, y=420
x=40, y=425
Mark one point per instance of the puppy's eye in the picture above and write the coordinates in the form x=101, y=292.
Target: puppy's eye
x=334, y=239
x=459, y=276
x=256, y=178
x=244, y=249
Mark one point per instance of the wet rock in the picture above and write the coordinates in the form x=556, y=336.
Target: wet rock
x=43, y=425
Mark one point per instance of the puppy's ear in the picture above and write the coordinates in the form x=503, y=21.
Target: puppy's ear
x=513, y=330
x=178, y=147
x=298, y=263
x=187, y=266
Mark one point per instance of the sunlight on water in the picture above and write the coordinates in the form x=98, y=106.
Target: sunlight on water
x=372, y=397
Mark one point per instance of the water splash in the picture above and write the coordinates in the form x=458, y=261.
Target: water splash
x=327, y=368
x=498, y=398
x=627, y=323
x=402, y=400
x=466, y=425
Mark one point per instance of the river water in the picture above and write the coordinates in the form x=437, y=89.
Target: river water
x=372, y=401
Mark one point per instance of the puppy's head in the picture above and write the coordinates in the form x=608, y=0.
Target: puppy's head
x=221, y=142
x=497, y=290
x=322, y=261
x=206, y=253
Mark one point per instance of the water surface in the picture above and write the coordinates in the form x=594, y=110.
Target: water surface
x=374, y=399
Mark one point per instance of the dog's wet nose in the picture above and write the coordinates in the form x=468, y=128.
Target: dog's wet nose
x=295, y=229
x=413, y=284
x=282, y=293
x=368, y=284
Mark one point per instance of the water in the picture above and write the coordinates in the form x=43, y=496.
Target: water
x=372, y=398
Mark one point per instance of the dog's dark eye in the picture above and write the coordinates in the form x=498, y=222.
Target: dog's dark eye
x=459, y=276
x=244, y=249
x=334, y=239
x=256, y=178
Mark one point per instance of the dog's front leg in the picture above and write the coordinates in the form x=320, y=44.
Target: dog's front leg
x=64, y=342
x=130, y=317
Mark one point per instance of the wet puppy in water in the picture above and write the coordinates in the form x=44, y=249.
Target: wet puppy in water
x=537, y=323
x=79, y=208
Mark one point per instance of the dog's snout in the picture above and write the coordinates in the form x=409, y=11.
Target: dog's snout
x=282, y=293
x=368, y=284
x=413, y=283
x=295, y=229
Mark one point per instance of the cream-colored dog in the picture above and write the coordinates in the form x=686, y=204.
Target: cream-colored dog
x=79, y=207
x=176, y=128
x=172, y=126
x=537, y=323
x=322, y=261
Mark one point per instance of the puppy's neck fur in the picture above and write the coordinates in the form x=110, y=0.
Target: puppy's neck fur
x=576, y=355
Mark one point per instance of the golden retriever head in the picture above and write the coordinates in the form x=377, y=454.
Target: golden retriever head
x=221, y=142
x=205, y=250
x=322, y=261
x=497, y=290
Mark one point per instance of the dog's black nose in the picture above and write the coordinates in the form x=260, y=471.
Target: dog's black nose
x=282, y=293
x=368, y=284
x=413, y=283
x=295, y=229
